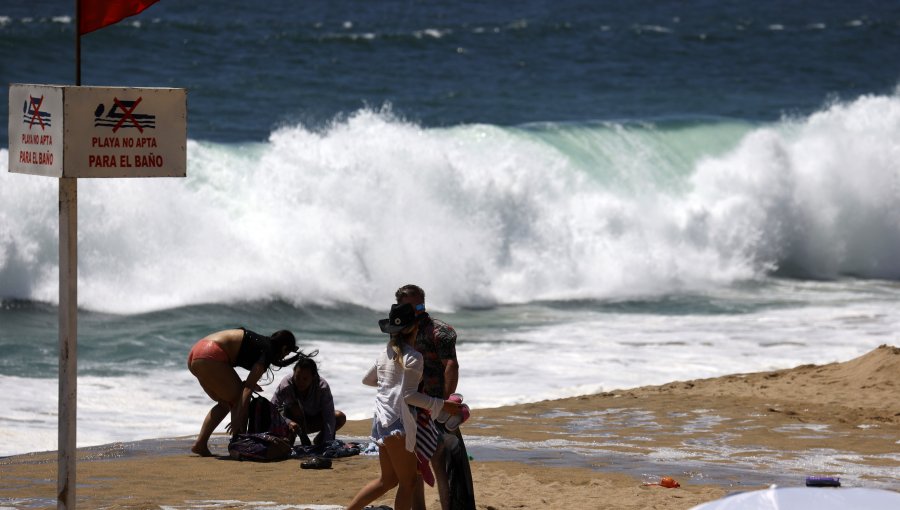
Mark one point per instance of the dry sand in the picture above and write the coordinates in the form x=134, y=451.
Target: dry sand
x=715, y=436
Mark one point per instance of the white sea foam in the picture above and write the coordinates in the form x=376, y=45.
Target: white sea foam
x=476, y=213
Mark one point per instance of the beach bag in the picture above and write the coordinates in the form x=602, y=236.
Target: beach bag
x=427, y=437
x=259, y=447
x=263, y=416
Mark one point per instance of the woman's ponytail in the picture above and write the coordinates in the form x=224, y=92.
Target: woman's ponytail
x=396, y=344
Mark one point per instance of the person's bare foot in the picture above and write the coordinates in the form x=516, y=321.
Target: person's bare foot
x=202, y=451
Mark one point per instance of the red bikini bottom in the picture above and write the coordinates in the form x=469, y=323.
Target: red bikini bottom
x=207, y=349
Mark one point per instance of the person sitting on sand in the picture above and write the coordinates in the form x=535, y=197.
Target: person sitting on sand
x=306, y=401
x=212, y=361
x=396, y=373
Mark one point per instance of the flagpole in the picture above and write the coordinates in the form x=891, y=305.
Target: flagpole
x=68, y=320
x=77, y=43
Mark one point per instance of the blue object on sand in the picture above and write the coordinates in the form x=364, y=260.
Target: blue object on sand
x=823, y=481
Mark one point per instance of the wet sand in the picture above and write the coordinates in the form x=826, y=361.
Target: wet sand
x=714, y=436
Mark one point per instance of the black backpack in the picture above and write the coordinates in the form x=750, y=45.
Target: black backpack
x=263, y=416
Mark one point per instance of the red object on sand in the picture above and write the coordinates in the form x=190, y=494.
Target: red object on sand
x=96, y=14
x=669, y=482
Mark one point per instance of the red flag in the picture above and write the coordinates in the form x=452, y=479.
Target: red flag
x=96, y=14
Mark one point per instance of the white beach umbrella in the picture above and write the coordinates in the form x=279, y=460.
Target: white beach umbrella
x=805, y=498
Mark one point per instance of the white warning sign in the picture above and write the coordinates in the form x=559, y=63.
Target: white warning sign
x=99, y=131
x=35, y=130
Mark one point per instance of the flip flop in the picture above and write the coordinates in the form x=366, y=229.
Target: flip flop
x=316, y=463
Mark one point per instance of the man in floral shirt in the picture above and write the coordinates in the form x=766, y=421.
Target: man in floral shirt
x=436, y=341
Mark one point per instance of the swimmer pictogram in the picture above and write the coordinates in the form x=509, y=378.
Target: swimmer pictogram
x=122, y=115
x=31, y=113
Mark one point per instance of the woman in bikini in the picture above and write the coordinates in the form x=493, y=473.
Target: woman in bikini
x=212, y=361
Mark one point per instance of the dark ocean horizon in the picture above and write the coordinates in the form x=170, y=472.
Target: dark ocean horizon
x=249, y=70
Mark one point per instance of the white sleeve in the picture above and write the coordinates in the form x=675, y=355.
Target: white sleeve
x=413, y=367
x=371, y=377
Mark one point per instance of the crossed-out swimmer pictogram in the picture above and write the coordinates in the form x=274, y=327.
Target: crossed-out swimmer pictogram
x=127, y=114
x=35, y=105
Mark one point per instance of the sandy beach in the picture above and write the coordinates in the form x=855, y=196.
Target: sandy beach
x=604, y=451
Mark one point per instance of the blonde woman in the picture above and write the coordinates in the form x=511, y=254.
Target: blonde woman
x=397, y=373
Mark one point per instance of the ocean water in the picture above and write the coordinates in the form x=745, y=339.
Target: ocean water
x=596, y=195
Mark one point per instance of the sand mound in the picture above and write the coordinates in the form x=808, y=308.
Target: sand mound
x=870, y=381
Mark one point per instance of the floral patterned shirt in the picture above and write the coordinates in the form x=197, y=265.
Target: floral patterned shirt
x=436, y=341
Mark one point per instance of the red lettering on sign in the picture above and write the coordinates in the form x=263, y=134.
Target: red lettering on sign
x=147, y=141
x=149, y=161
x=101, y=161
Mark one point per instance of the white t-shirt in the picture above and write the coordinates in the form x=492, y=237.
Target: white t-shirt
x=398, y=385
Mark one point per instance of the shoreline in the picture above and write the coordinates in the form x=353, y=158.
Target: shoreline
x=714, y=436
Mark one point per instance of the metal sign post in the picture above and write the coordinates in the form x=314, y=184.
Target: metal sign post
x=68, y=340
x=69, y=132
